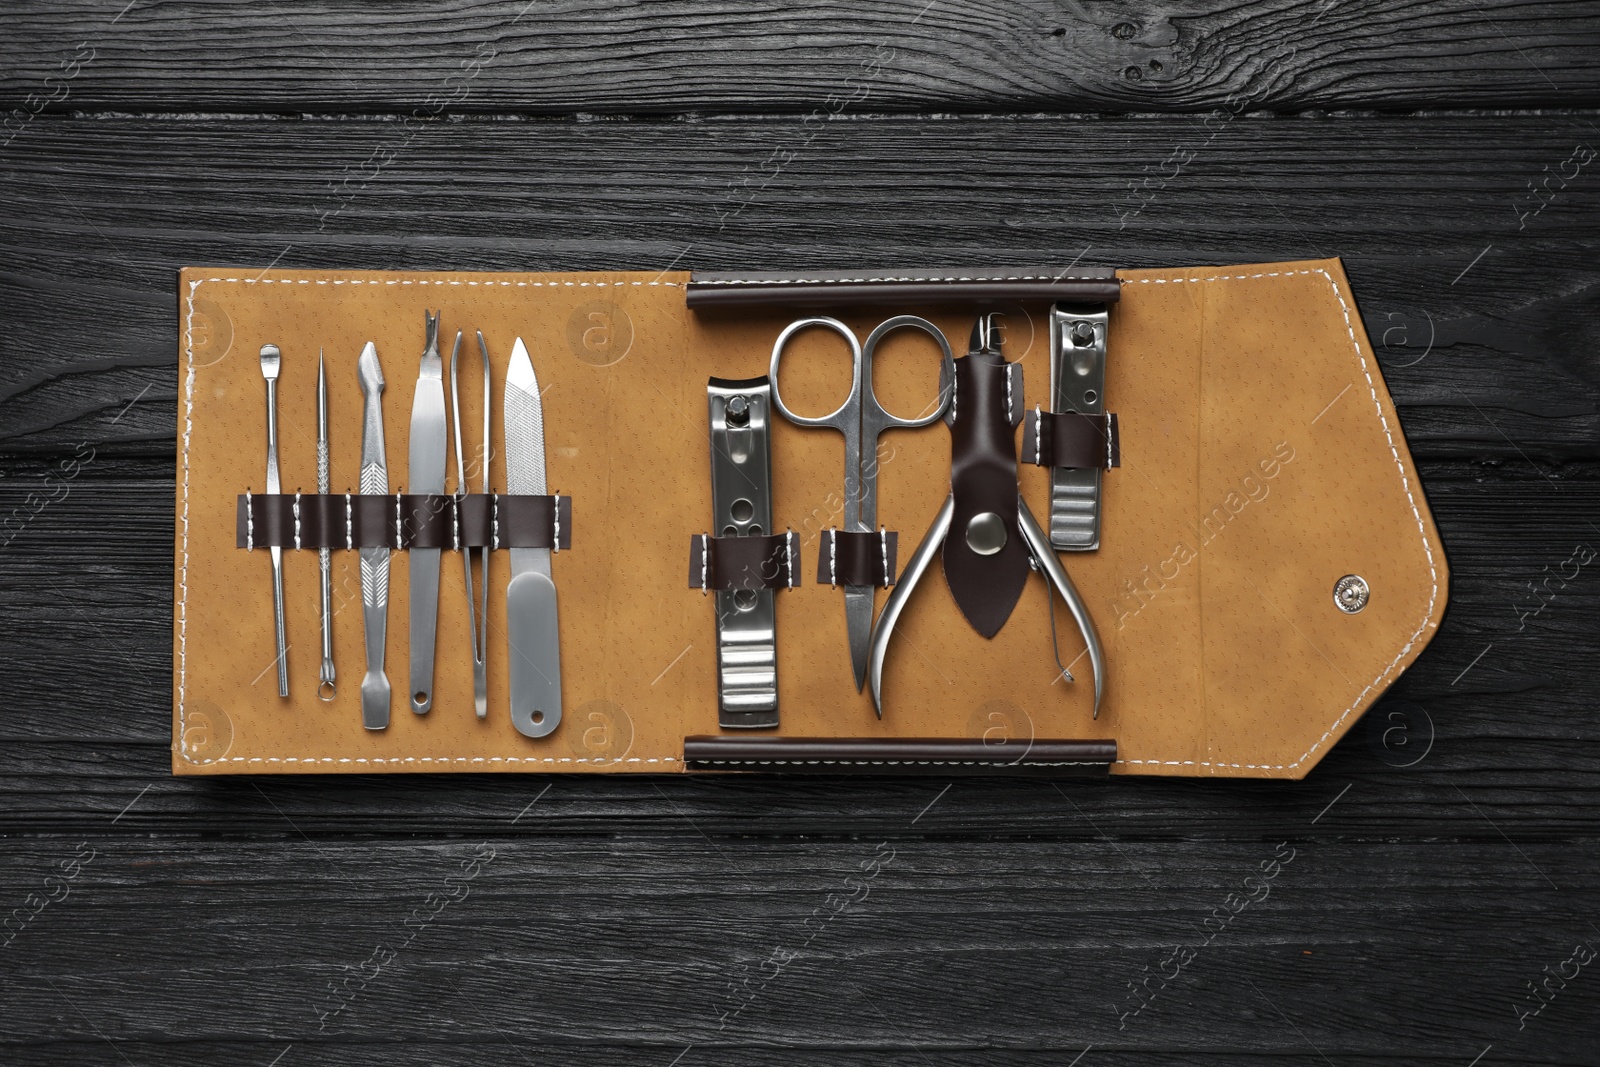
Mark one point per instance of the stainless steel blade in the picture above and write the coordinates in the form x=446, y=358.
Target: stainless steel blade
x=425, y=472
x=858, y=628
x=374, y=561
x=533, y=633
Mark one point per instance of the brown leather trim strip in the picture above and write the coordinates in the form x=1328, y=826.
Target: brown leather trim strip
x=820, y=755
x=1071, y=439
x=771, y=562
x=424, y=520
x=722, y=289
x=859, y=559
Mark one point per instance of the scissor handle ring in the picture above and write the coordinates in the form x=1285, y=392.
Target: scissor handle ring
x=885, y=327
x=832, y=419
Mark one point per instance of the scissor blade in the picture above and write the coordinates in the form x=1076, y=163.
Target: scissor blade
x=858, y=625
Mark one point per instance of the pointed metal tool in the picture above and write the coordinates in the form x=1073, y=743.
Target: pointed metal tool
x=425, y=472
x=374, y=561
x=326, y=687
x=477, y=617
x=534, y=637
x=270, y=361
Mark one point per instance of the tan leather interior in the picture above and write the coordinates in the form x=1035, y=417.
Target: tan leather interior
x=1261, y=461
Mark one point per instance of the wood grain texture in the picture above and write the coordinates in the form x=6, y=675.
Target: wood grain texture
x=889, y=55
x=1445, y=850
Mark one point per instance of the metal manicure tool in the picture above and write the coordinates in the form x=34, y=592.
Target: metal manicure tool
x=860, y=419
x=270, y=360
x=533, y=635
x=426, y=475
x=326, y=689
x=374, y=561
x=989, y=538
x=477, y=616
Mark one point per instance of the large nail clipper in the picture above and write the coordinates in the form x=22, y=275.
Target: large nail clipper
x=374, y=561
x=326, y=688
x=271, y=359
x=477, y=617
x=426, y=473
x=998, y=541
x=740, y=415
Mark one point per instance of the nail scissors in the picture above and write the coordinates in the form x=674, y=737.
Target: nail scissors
x=861, y=419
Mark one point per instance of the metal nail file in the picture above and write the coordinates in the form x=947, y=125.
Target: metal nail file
x=326, y=687
x=1077, y=383
x=534, y=637
x=271, y=359
x=374, y=561
x=740, y=413
x=425, y=474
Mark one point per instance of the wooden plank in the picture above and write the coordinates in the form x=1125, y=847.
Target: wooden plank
x=1485, y=321
x=578, y=946
x=498, y=56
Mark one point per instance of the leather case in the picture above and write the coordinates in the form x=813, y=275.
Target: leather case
x=1261, y=461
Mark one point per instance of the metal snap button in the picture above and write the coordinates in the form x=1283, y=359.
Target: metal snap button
x=986, y=533
x=1350, y=593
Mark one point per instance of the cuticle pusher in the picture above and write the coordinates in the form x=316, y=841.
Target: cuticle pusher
x=271, y=360
x=375, y=560
x=326, y=688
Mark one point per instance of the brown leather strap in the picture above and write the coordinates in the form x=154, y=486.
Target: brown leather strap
x=723, y=563
x=858, y=559
x=402, y=521
x=1071, y=439
x=719, y=289
x=985, y=408
x=902, y=755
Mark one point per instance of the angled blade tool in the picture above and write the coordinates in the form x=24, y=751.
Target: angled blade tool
x=326, y=688
x=426, y=473
x=533, y=635
x=477, y=616
x=270, y=360
x=374, y=561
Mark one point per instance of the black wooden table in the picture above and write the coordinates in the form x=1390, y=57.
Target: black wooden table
x=1432, y=897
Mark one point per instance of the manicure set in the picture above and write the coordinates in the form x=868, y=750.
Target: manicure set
x=792, y=441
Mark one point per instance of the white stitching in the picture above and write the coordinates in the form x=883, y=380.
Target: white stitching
x=556, y=511
x=1110, y=428
x=494, y=512
x=249, y=525
x=1008, y=392
x=902, y=762
x=1405, y=482
x=455, y=519
x=297, y=520
x=446, y=281
x=349, y=524
x=789, y=542
x=883, y=537
x=781, y=280
x=1038, y=436
x=398, y=523
x=705, y=564
x=833, y=558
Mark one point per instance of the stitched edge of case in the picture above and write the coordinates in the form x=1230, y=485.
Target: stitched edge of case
x=900, y=763
x=183, y=573
x=1405, y=482
x=781, y=280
